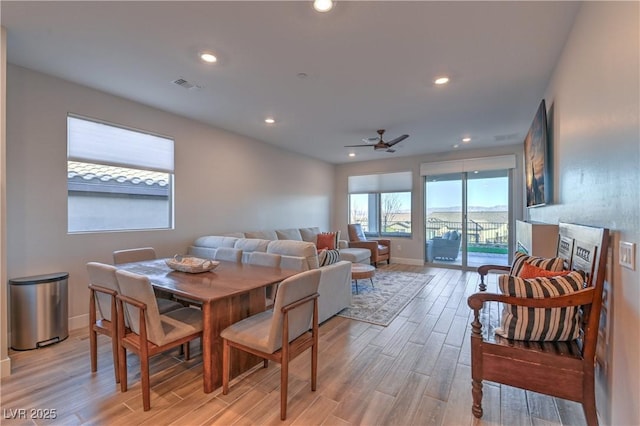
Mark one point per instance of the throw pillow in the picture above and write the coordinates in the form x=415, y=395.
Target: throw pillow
x=550, y=264
x=539, y=324
x=328, y=240
x=531, y=271
x=328, y=257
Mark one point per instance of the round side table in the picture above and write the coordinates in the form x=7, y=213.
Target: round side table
x=361, y=271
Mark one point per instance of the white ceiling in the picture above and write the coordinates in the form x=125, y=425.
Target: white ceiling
x=369, y=65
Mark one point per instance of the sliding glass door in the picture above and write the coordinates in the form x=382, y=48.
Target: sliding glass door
x=467, y=218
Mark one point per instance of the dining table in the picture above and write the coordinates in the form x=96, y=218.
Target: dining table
x=229, y=293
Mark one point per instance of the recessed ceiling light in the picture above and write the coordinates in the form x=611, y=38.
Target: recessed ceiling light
x=269, y=120
x=352, y=154
x=323, y=5
x=465, y=140
x=456, y=146
x=208, y=57
x=441, y=80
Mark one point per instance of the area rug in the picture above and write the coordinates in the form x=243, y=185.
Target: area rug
x=380, y=304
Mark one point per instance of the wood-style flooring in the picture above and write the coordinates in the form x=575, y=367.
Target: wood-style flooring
x=416, y=371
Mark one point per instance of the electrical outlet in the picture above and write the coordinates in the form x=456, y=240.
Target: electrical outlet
x=627, y=255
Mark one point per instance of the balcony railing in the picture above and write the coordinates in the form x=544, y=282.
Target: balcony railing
x=479, y=234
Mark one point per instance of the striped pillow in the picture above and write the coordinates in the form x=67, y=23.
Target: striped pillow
x=549, y=264
x=539, y=324
x=328, y=257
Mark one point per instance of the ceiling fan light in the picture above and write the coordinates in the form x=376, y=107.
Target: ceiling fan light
x=441, y=80
x=269, y=120
x=323, y=5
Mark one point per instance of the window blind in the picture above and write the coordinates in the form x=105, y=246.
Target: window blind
x=96, y=142
x=384, y=182
x=500, y=162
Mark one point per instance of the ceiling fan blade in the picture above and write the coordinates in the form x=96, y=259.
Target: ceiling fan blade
x=397, y=140
x=352, y=146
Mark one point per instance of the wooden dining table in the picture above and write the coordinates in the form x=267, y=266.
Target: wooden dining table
x=231, y=292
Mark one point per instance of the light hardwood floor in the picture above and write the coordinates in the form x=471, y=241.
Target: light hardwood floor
x=416, y=371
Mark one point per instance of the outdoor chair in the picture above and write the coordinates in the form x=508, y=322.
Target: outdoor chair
x=445, y=247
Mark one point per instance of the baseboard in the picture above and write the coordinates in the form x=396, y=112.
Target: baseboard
x=79, y=321
x=5, y=367
x=407, y=261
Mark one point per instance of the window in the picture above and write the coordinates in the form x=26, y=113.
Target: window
x=117, y=179
x=381, y=204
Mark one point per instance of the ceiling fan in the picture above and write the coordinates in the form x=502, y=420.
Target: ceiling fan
x=382, y=145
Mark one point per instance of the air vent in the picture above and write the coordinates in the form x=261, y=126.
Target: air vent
x=502, y=138
x=183, y=83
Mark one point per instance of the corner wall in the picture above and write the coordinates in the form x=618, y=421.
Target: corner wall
x=595, y=95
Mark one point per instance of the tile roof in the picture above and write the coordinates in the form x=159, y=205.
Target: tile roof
x=88, y=172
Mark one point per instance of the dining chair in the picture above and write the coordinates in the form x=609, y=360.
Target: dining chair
x=165, y=304
x=228, y=254
x=280, y=334
x=266, y=259
x=134, y=255
x=150, y=332
x=103, y=288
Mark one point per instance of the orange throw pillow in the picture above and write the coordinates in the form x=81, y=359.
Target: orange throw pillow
x=326, y=240
x=531, y=271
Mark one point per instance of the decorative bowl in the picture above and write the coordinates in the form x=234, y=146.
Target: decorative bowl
x=190, y=264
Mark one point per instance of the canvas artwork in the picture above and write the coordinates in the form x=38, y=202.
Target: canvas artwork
x=535, y=152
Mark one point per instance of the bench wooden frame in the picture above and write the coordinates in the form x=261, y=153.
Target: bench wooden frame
x=560, y=369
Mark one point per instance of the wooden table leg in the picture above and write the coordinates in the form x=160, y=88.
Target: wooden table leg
x=207, y=344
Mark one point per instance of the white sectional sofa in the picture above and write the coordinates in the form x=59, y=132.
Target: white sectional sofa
x=298, y=254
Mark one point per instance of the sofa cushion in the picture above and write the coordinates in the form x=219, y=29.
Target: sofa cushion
x=539, y=324
x=309, y=234
x=252, y=244
x=531, y=271
x=328, y=240
x=234, y=234
x=215, y=241
x=550, y=264
x=295, y=248
x=328, y=257
x=289, y=234
x=264, y=235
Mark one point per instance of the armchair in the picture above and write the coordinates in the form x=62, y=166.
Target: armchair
x=445, y=247
x=380, y=248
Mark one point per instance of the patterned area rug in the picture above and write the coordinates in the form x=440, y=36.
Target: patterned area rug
x=381, y=304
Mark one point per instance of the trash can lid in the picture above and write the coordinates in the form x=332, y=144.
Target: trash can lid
x=39, y=279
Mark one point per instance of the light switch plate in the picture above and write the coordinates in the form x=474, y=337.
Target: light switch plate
x=627, y=255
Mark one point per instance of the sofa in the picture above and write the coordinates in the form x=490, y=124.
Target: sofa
x=445, y=247
x=335, y=280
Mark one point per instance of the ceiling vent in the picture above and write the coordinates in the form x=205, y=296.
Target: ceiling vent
x=186, y=84
x=502, y=138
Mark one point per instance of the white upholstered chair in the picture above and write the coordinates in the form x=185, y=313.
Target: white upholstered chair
x=228, y=254
x=280, y=334
x=133, y=255
x=103, y=288
x=165, y=304
x=266, y=259
x=150, y=332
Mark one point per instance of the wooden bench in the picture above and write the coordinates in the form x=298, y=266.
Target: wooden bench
x=560, y=369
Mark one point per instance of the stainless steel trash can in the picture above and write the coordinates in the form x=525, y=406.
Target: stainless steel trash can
x=39, y=310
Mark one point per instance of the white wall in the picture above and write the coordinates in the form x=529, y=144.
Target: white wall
x=594, y=95
x=411, y=250
x=223, y=182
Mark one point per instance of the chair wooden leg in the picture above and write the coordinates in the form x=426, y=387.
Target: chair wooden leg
x=265, y=363
x=589, y=400
x=122, y=366
x=284, y=387
x=93, y=346
x=226, y=349
x=116, y=363
x=146, y=388
x=187, y=351
x=314, y=366
x=476, y=391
